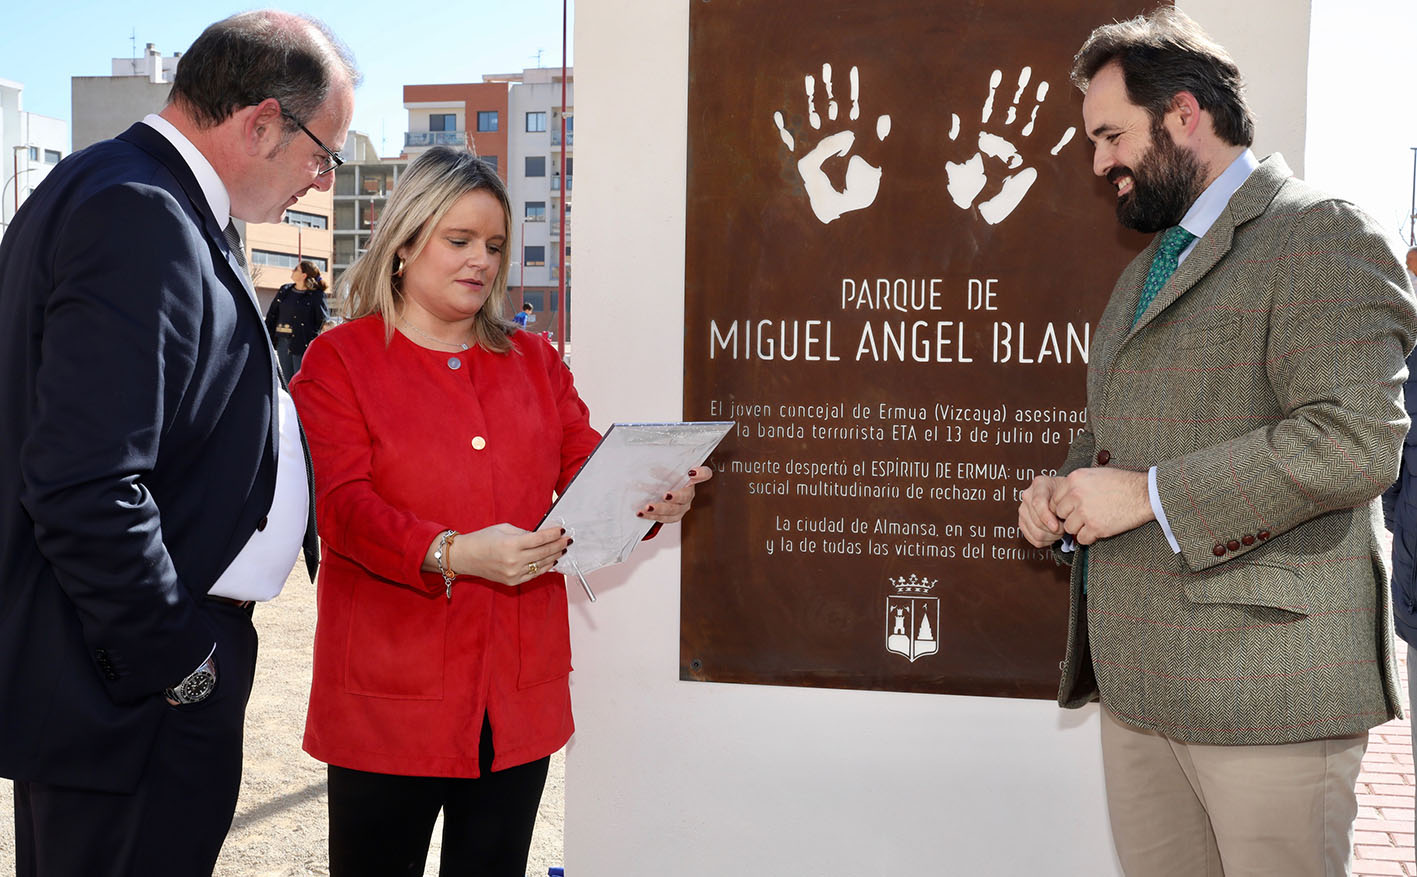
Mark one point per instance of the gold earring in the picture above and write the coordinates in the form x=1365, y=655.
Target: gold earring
x=398, y=266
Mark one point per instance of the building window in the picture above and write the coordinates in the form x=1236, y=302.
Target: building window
x=34, y=153
x=284, y=260
x=486, y=120
x=535, y=122
x=443, y=122
x=305, y=220
x=536, y=165
x=490, y=159
x=52, y=156
x=534, y=256
x=535, y=211
x=376, y=179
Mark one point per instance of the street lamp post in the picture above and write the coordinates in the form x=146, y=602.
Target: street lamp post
x=15, y=162
x=15, y=155
x=15, y=177
x=1412, y=215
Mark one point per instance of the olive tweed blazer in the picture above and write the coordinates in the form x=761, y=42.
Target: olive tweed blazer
x=1264, y=384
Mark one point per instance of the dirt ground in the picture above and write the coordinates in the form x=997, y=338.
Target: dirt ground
x=279, y=829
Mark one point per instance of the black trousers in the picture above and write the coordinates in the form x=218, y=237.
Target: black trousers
x=381, y=824
x=174, y=823
x=287, y=356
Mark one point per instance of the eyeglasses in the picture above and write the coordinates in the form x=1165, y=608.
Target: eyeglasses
x=328, y=164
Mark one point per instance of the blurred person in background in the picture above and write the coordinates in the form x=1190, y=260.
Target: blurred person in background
x=296, y=315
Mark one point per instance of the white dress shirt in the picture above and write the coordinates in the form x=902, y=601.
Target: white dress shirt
x=259, y=571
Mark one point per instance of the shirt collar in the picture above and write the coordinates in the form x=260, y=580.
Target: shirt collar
x=212, y=187
x=1216, y=196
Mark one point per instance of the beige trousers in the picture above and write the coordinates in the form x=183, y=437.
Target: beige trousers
x=1192, y=810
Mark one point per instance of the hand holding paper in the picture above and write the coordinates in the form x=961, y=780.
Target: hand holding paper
x=676, y=502
x=607, y=507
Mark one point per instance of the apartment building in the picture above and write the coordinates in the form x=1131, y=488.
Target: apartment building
x=470, y=114
x=30, y=146
x=362, y=187
x=541, y=243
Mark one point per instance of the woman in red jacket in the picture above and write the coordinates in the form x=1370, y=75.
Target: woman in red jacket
x=438, y=432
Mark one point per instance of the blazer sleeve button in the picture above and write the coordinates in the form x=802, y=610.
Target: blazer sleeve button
x=1247, y=539
x=261, y=524
x=1104, y=457
x=1262, y=535
x=1218, y=550
x=1233, y=545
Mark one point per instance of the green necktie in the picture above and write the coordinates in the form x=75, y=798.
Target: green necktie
x=1163, y=265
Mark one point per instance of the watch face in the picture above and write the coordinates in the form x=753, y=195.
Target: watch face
x=196, y=687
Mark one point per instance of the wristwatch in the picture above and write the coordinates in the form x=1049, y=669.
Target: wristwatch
x=197, y=686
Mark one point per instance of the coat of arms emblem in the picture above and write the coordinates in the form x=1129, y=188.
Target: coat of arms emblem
x=912, y=617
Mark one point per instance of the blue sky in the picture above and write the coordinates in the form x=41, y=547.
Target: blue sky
x=44, y=42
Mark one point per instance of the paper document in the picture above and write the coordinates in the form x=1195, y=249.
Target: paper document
x=634, y=465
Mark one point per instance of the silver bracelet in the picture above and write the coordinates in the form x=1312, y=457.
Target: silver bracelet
x=442, y=557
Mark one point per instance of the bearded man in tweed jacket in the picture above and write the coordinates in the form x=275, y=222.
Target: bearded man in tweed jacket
x=1229, y=601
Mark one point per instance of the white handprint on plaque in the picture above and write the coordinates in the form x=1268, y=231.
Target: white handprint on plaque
x=863, y=180
x=967, y=179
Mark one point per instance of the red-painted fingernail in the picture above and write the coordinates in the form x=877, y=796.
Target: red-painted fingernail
x=668, y=497
x=570, y=542
x=650, y=509
x=563, y=531
x=691, y=472
x=639, y=514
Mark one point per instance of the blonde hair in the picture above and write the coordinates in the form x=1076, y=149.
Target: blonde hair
x=425, y=192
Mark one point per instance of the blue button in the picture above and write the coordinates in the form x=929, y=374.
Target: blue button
x=454, y=363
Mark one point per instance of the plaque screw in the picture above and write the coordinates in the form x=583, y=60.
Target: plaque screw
x=696, y=665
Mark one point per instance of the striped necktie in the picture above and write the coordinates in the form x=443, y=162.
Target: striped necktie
x=233, y=239
x=1163, y=265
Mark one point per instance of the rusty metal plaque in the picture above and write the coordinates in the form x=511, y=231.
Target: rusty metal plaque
x=895, y=252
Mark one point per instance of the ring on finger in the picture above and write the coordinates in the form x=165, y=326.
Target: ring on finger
x=532, y=568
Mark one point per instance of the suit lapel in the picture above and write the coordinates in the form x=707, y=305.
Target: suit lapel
x=1114, y=326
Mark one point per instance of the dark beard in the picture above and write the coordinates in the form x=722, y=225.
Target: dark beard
x=1166, y=182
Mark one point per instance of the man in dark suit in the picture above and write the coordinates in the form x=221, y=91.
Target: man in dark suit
x=152, y=481
x=1229, y=607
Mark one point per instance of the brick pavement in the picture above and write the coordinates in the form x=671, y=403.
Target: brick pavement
x=1382, y=834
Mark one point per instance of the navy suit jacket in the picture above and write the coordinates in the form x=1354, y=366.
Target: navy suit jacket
x=138, y=447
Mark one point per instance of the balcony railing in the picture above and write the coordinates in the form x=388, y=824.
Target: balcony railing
x=556, y=137
x=556, y=182
x=435, y=138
